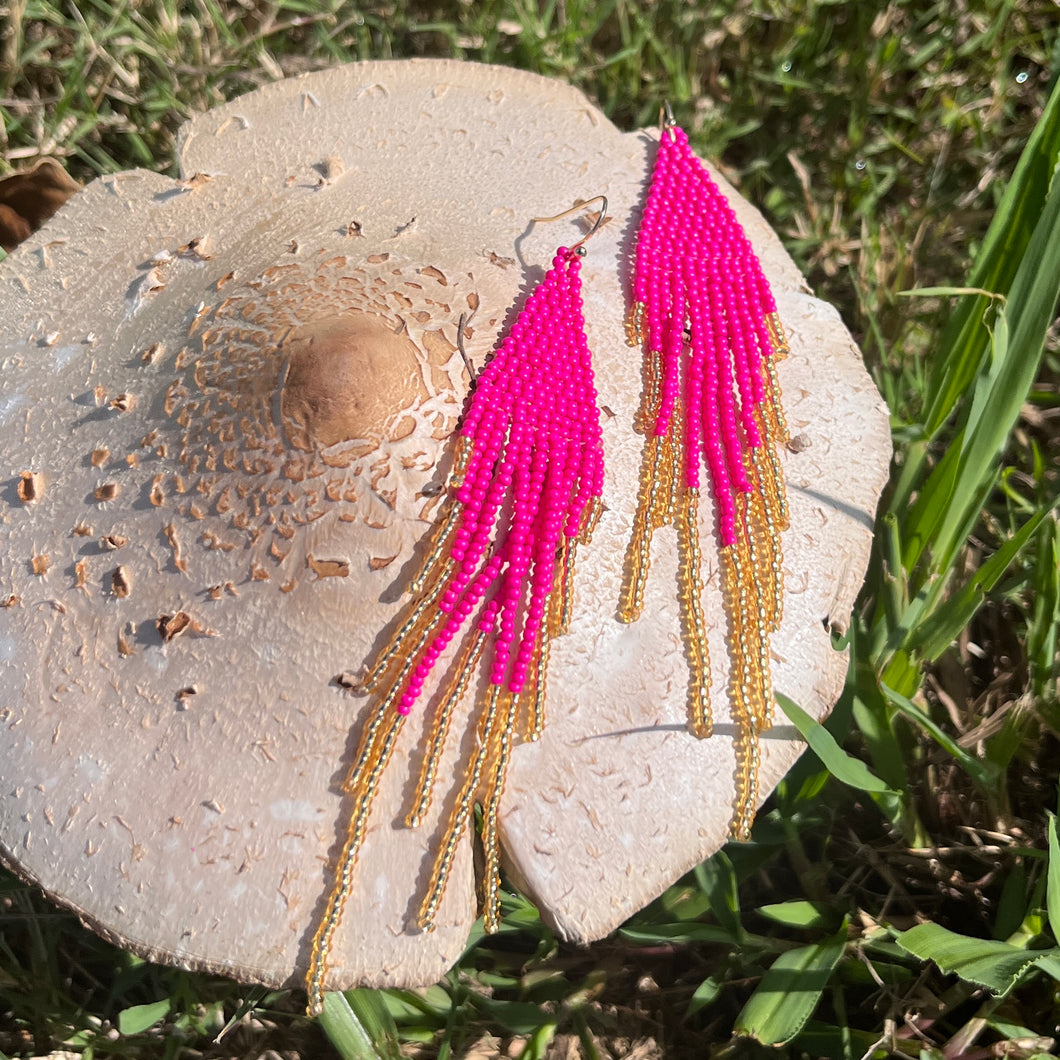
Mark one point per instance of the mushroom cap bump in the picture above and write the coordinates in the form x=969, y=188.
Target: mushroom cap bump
x=223, y=431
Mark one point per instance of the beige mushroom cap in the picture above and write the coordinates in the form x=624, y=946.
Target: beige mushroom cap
x=222, y=430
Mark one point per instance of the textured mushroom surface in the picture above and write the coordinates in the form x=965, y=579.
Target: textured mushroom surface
x=222, y=434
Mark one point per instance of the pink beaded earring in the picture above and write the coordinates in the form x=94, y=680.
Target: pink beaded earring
x=497, y=581
x=703, y=311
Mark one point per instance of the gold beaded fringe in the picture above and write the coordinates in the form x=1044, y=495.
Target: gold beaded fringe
x=501, y=715
x=751, y=568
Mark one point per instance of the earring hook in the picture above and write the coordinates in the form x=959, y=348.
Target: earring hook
x=666, y=118
x=601, y=217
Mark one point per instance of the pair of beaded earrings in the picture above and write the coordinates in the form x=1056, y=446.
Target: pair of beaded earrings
x=525, y=492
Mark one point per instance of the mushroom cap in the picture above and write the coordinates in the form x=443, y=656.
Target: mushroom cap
x=222, y=433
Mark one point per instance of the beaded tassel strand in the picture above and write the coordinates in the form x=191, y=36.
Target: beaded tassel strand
x=497, y=579
x=707, y=321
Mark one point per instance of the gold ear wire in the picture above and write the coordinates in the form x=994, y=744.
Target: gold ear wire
x=666, y=118
x=601, y=217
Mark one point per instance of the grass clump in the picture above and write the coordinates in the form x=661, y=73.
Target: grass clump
x=912, y=909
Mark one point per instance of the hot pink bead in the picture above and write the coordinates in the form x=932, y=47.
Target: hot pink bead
x=695, y=269
x=536, y=461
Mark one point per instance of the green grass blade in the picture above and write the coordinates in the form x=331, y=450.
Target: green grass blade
x=995, y=265
x=987, y=380
x=139, y=1018
x=932, y=637
x=947, y=292
x=370, y=1008
x=1042, y=634
x=719, y=884
x=803, y=914
x=790, y=991
x=1016, y=356
x=1052, y=887
x=871, y=715
x=954, y=492
x=981, y=772
x=843, y=767
x=995, y=965
x=345, y=1031
x=894, y=588
x=706, y=994
x=653, y=934
x=516, y=1017
x=1050, y=964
